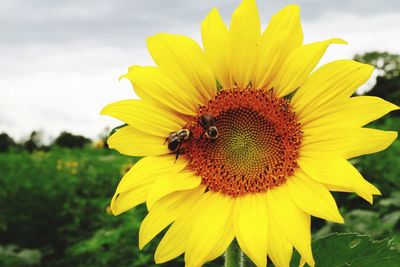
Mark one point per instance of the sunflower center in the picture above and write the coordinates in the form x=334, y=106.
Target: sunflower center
x=256, y=147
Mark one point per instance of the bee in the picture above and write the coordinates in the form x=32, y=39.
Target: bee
x=176, y=139
x=207, y=121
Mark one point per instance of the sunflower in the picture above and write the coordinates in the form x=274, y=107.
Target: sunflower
x=241, y=141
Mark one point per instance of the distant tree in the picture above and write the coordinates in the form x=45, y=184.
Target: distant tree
x=388, y=81
x=6, y=142
x=34, y=142
x=388, y=64
x=103, y=136
x=66, y=139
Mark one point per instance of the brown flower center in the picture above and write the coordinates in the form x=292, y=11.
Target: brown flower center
x=257, y=145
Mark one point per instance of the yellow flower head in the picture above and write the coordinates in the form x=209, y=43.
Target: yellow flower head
x=228, y=154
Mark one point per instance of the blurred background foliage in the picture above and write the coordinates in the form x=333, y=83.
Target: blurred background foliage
x=54, y=198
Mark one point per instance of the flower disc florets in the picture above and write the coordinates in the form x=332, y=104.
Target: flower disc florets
x=257, y=146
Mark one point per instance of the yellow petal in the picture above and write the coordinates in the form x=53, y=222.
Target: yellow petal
x=214, y=34
x=244, y=33
x=279, y=248
x=184, y=62
x=313, y=197
x=175, y=240
x=348, y=142
x=282, y=36
x=145, y=117
x=251, y=224
x=132, y=142
x=150, y=167
x=133, y=188
x=212, y=229
x=354, y=112
x=297, y=67
x=166, y=211
x=334, y=170
x=153, y=86
x=292, y=221
x=332, y=82
x=122, y=202
x=221, y=245
x=166, y=184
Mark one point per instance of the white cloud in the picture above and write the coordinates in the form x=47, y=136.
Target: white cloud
x=64, y=87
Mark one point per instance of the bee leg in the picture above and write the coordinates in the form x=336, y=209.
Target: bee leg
x=178, y=152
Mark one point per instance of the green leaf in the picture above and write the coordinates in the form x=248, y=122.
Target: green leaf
x=350, y=249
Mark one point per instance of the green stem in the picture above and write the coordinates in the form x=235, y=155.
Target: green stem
x=233, y=255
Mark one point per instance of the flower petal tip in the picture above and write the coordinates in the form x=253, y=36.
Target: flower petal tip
x=159, y=259
x=150, y=40
x=310, y=262
x=247, y=6
x=338, y=41
x=113, y=208
x=369, y=199
x=214, y=10
x=123, y=76
x=302, y=262
x=368, y=68
x=141, y=242
x=336, y=218
x=105, y=111
x=377, y=192
x=292, y=8
x=391, y=137
x=392, y=107
x=114, y=212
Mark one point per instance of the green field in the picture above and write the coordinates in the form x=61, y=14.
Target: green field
x=54, y=207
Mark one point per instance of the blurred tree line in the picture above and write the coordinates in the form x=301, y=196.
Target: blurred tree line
x=387, y=84
x=35, y=142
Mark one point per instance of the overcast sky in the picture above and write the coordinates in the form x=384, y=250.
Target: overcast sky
x=60, y=60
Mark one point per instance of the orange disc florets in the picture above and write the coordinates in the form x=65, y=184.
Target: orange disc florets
x=257, y=145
